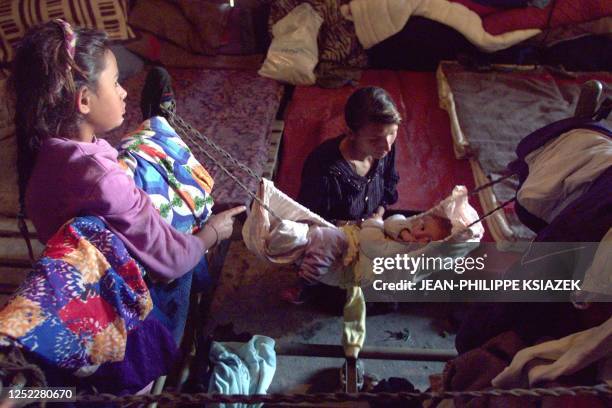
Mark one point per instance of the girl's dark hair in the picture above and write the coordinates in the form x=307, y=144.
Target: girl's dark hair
x=370, y=104
x=45, y=80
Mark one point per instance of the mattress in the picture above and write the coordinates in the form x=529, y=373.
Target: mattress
x=490, y=112
x=424, y=157
x=235, y=109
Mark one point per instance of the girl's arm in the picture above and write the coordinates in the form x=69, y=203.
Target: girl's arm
x=129, y=213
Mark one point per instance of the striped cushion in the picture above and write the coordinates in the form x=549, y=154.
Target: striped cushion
x=17, y=16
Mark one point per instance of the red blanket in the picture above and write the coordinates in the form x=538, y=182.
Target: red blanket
x=425, y=160
x=559, y=12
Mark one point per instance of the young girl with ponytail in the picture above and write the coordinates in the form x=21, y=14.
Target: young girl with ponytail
x=67, y=95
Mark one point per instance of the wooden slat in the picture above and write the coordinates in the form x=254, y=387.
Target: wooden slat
x=274, y=140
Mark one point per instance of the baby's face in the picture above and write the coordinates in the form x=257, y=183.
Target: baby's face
x=406, y=236
x=424, y=230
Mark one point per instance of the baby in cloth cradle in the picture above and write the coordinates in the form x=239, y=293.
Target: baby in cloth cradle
x=334, y=255
x=325, y=249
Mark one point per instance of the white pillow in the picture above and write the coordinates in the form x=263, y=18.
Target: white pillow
x=294, y=53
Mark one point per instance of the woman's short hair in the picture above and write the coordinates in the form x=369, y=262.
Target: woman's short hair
x=370, y=105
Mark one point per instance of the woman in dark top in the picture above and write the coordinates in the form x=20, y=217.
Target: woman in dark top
x=352, y=176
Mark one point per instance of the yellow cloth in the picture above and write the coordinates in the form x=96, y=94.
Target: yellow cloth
x=352, y=238
x=353, y=325
x=354, y=329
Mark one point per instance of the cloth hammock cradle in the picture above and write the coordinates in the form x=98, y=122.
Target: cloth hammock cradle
x=466, y=230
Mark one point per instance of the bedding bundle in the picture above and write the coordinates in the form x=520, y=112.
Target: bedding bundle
x=85, y=294
x=489, y=30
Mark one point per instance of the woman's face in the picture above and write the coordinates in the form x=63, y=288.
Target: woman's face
x=375, y=139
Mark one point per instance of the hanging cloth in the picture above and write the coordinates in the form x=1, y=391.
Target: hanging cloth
x=259, y=222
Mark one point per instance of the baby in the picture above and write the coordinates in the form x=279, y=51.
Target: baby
x=423, y=230
x=321, y=249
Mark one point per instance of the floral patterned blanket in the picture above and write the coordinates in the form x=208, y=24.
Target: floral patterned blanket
x=163, y=166
x=84, y=295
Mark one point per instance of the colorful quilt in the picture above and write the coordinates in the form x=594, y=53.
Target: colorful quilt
x=163, y=166
x=84, y=295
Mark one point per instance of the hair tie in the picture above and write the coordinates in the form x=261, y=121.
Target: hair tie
x=69, y=37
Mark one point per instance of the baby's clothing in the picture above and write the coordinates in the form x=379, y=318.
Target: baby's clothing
x=362, y=245
x=326, y=247
x=319, y=247
x=74, y=178
x=374, y=243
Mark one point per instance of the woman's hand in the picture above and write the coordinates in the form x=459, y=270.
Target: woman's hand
x=378, y=214
x=219, y=226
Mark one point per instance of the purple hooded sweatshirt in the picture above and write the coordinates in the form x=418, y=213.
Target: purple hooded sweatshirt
x=72, y=178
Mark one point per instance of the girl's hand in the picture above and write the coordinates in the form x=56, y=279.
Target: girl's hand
x=223, y=222
x=219, y=226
